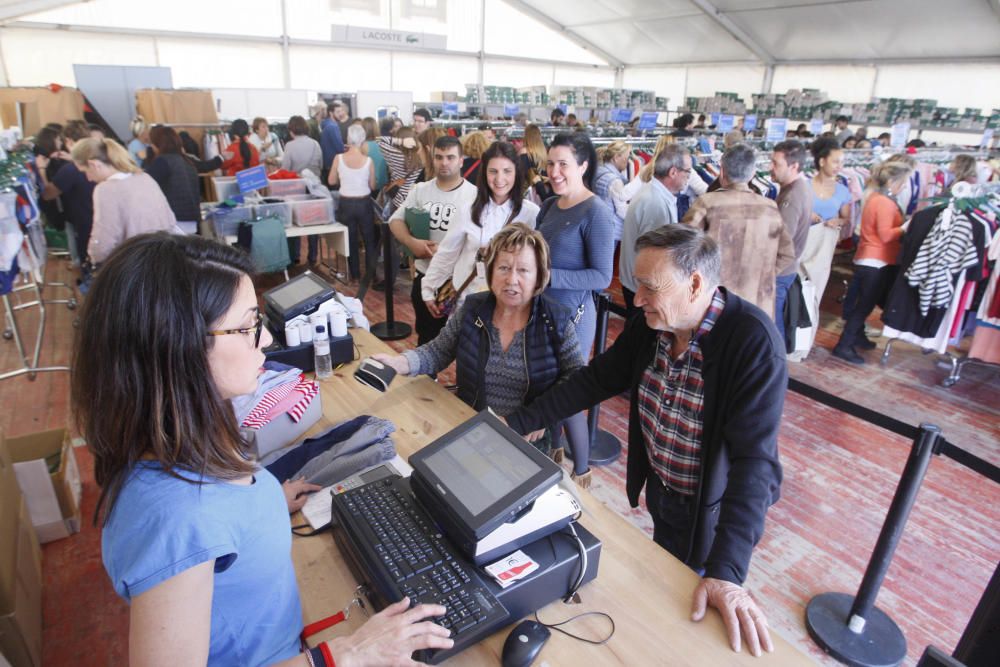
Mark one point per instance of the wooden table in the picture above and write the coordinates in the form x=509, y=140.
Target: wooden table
x=645, y=589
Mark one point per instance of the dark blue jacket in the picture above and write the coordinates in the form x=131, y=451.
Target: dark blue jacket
x=745, y=375
x=330, y=142
x=542, y=337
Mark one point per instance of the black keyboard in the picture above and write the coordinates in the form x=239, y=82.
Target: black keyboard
x=402, y=553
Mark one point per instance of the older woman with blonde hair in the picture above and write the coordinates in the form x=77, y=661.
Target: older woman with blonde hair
x=877, y=257
x=610, y=180
x=474, y=145
x=127, y=201
x=530, y=339
x=266, y=142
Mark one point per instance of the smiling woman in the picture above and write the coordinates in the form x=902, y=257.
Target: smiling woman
x=499, y=202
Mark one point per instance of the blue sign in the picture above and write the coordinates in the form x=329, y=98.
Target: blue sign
x=647, y=121
x=511, y=110
x=622, y=115
x=749, y=123
x=816, y=126
x=726, y=123
x=562, y=107
x=715, y=119
x=777, y=128
x=449, y=108
x=254, y=178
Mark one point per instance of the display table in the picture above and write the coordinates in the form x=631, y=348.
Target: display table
x=645, y=589
x=335, y=232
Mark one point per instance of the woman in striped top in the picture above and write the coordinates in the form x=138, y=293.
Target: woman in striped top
x=402, y=155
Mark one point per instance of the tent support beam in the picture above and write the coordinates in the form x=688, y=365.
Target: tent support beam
x=738, y=33
x=257, y=39
x=14, y=10
x=765, y=87
x=551, y=23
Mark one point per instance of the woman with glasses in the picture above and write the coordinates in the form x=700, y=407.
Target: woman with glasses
x=195, y=535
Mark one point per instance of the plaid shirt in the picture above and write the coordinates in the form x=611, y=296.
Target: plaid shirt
x=671, y=395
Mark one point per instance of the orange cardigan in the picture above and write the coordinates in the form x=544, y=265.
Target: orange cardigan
x=235, y=163
x=881, y=230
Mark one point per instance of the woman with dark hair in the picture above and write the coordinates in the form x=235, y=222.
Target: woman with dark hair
x=529, y=338
x=302, y=151
x=241, y=154
x=50, y=159
x=195, y=535
x=499, y=202
x=579, y=228
x=68, y=184
x=831, y=211
x=177, y=177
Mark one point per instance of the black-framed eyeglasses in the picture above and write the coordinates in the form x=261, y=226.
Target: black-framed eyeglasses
x=255, y=330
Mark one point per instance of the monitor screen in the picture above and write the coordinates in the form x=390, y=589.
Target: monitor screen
x=480, y=467
x=295, y=292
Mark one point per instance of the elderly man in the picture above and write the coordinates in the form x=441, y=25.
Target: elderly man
x=755, y=245
x=655, y=205
x=707, y=375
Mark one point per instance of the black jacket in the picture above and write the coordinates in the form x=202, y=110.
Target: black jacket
x=745, y=378
x=543, y=337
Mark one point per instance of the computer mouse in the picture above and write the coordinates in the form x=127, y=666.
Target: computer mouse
x=524, y=643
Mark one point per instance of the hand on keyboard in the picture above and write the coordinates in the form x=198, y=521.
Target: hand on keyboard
x=392, y=635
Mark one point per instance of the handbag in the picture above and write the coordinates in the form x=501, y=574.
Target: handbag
x=446, y=296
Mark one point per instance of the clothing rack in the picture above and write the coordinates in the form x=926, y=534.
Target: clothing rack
x=31, y=278
x=989, y=193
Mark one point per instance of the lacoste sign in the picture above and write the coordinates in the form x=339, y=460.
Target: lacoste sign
x=352, y=34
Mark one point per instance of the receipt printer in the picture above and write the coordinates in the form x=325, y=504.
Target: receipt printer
x=375, y=374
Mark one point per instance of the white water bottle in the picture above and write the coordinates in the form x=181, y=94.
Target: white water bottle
x=321, y=349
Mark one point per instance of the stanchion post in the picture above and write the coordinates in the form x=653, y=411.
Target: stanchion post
x=853, y=630
x=390, y=329
x=604, y=447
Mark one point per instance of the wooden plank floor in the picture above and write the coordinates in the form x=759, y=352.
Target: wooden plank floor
x=840, y=474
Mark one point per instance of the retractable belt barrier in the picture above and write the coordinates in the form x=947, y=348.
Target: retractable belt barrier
x=851, y=628
x=943, y=447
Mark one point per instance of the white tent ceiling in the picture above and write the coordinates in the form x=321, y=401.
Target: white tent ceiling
x=774, y=32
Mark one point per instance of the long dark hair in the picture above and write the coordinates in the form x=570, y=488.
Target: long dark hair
x=142, y=386
x=505, y=150
x=583, y=151
x=821, y=149
x=239, y=130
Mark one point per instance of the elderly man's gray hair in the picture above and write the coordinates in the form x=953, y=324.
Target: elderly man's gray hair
x=689, y=250
x=671, y=157
x=738, y=163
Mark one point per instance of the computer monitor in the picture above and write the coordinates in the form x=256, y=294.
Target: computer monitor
x=480, y=475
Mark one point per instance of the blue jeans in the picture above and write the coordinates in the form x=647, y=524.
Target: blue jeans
x=781, y=286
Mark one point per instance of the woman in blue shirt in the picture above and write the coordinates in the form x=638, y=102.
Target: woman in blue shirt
x=195, y=536
x=579, y=229
x=831, y=211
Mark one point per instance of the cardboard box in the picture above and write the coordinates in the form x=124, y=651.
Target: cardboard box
x=53, y=498
x=21, y=614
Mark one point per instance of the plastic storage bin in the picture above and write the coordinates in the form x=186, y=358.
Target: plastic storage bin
x=308, y=210
x=291, y=186
x=225, y=187
x=281, y=210
x=226, y=221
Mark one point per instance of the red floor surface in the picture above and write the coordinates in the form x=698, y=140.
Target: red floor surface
x=840, y=474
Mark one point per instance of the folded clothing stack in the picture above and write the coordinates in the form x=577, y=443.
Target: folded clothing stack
x=284, y=406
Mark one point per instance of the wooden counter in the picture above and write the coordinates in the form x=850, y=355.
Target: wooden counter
x=645, y=589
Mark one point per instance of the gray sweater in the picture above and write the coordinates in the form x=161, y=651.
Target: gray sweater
x=506, y=373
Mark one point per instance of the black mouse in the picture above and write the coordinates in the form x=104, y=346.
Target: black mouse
x=524, y=643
